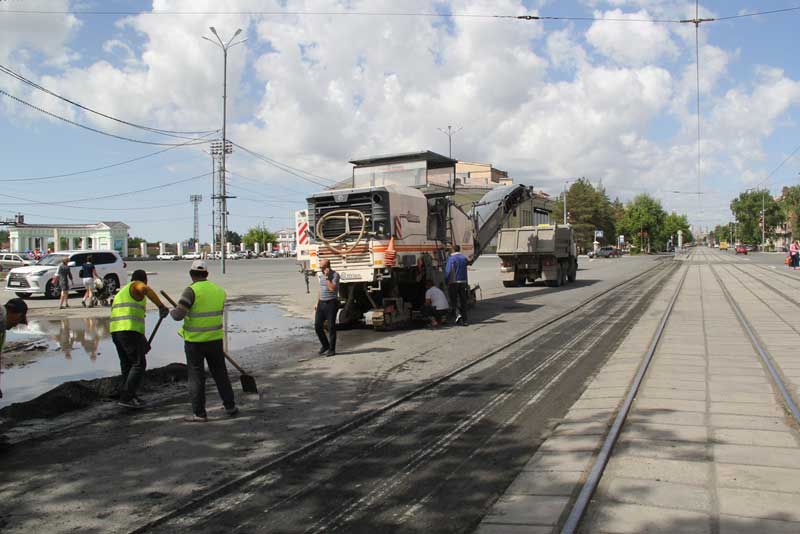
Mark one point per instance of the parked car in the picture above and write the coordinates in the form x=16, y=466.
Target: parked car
x=604, y=252
x=741, y=249
x=37, y=278
x=10, y=261
x=167, y=257
x=192, y=256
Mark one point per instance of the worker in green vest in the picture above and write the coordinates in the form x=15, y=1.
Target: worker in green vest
x=201, y=308
x=127, y=333
x=13, y=313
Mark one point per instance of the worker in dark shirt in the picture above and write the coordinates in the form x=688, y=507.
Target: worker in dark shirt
x=326, y=308
x=455, y=273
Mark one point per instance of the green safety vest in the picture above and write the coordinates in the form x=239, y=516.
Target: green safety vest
x=203, y=321
x=127, y=313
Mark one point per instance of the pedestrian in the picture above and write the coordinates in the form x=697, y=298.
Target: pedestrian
x=793, y=254
x=326, y=307
x=127, y=332
x=455, y=272
x=88, y=275
x=436, y=306
x=201, y=308
x=64, y=278
x=13, y=313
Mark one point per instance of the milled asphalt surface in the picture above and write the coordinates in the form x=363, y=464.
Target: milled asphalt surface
x=115, y=471
x=708, y=446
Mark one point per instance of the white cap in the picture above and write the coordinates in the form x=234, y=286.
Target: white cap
x=199, y=265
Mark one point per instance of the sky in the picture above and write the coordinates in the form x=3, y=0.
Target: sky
x=320, y=82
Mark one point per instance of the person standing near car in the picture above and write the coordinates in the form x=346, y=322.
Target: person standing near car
x=88, y=274
x=326, y=308
x=127, y=332
x=455, y=272
x=64, y=275
x=201, y=308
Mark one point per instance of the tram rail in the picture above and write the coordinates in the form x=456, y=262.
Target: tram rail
x=653, y=277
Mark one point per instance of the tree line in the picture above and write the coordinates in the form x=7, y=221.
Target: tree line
x=642, y=221
x=779, y=216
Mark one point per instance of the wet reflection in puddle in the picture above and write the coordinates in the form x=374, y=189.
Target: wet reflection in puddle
x=81, y=348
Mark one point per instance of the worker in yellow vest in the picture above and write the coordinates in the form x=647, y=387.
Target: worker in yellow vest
x=201, y=308
x=127, y=332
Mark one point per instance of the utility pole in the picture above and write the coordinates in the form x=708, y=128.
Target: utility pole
x=196, y=199
x=450, y=133
x=565, y=201
x=225, y=144
x=763, y=222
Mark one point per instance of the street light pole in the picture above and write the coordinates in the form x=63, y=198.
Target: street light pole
x=565, y=201
x=450, y=133
x=223, y=176
x=763, y=222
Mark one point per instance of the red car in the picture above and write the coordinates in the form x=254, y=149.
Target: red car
x=741, y=249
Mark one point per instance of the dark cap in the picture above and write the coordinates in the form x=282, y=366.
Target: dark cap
x=18, y=306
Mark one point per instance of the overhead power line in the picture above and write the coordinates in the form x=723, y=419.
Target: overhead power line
x=427, y=14
x=287, y=168
x=104, y=197
x=95, y=130
x=95, y=169
x=171, y=133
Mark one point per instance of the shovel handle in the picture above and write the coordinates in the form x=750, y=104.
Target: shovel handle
x=155, y=329
x=169, y=299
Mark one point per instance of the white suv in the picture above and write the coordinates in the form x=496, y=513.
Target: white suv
x=37, y=278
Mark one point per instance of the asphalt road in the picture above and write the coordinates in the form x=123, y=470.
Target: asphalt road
x=111, y=472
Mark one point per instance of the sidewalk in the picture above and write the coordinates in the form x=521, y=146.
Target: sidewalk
x=706, y=447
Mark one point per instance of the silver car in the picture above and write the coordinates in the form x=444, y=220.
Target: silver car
x=10, y=261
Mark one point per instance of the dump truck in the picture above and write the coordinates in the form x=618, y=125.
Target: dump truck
x=531, y=252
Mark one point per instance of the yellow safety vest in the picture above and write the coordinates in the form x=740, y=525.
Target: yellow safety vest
x=203, y=321
x=127, y=313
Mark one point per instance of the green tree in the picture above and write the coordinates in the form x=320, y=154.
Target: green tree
x=233, y=238
x=588, y=209
x=260, y=235
x=134, y=244
x=670, y=227
x=643, y=222
x=747, y=210
x=790, y=206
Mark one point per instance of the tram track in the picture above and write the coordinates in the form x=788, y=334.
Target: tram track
x=279, y=484
x=579, y=507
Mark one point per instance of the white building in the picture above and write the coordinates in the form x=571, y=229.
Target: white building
x=287, y=239
x=106, y=235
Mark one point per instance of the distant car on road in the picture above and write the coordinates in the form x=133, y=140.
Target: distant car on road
x=10, y=261
x=167, y=257
x=192, y=256
x=605, y=252
x=741, y=249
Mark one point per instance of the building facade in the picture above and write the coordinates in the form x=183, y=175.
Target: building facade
x=287, y=240
x=106, y=235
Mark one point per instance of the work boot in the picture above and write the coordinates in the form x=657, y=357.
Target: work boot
x=323, y=350
x=331, y=352
x=195, y=419
x=232, y=412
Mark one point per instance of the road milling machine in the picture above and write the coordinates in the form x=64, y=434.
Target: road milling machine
x=391, y=228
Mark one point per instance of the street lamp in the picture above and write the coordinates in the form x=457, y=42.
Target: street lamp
x=223, y=179
x=566, y=182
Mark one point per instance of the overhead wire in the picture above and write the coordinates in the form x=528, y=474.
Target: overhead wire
x=171, y=133
x=428, y=14
x=92, y=129
x=286, y=168
x=96, y=169
x=105, y=197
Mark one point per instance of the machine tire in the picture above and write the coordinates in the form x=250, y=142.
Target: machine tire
x=573, y=272
x=24, y=295
x=510, y=283
x=559, y=277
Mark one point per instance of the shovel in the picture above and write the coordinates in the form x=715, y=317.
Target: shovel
x=153, y=334
x=248, y=382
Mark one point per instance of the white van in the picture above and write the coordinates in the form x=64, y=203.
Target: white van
x=37, y=278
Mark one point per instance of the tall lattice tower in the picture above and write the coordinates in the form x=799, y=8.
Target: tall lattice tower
x=196, y=200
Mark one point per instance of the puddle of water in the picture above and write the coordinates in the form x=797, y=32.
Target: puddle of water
x=81, y=348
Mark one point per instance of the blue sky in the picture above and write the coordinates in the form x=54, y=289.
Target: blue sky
x=546, y=100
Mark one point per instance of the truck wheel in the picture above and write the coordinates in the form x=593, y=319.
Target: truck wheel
x=572, y=274
x=559, y=279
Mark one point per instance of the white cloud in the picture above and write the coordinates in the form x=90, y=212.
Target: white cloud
x=26, y=35
x=634, y=44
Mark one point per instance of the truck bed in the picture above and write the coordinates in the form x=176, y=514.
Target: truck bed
x=542, y=240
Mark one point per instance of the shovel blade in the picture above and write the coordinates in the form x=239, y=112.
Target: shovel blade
x=248, y=383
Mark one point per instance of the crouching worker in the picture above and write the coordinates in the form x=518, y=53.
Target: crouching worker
x=436, y=307
x=201, y=308
x=127, y=333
